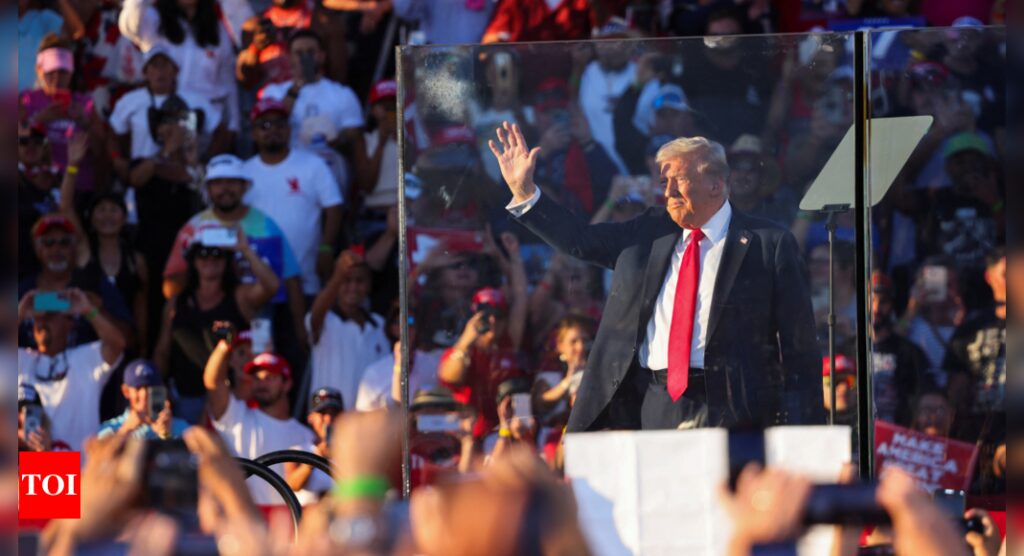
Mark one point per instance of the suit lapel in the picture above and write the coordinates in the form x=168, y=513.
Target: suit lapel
x=736, y=243
x=658, y=262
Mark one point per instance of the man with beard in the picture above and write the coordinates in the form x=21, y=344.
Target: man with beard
x=254, y=431
x=226, y=184
x=297, y=190
x=899, y=366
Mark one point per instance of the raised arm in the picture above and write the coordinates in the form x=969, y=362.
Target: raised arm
x=112, y=340
x=252, y=297
x=598, y=244
x=139, y=22
x=215, y=378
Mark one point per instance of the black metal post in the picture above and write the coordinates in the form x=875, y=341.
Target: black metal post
x=403, y=273
x=861, y=206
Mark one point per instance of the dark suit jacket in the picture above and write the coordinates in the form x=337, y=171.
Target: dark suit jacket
x=762, y=359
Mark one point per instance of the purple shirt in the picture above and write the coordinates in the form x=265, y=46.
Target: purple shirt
x=59, y=131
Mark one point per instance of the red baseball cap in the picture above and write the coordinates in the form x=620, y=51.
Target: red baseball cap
x=383, y=89
x=453, y=135
x=52, y=222
x=844, y=365
x=269, y=362
x=552, y=93
x=489, y=296
x=267, y=105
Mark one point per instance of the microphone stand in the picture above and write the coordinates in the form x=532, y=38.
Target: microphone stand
x=832, y=212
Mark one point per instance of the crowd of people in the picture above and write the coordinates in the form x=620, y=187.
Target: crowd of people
x=208, y=223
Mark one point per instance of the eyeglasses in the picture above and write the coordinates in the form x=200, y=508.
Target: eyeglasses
x=25, y=140
x=460, y=265
x=271, y=124
x=56, y=370
x=49, y=242
x=210, y=252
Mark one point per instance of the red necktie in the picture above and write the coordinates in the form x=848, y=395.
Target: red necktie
x=680, y=336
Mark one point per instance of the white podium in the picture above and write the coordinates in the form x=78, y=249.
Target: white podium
x=656, y=492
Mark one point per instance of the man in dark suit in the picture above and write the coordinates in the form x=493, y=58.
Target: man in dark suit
x=708, y=322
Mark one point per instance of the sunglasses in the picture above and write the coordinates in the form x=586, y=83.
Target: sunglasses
x=48, y=242
x=460, y=265
x=210, y=252
x=34, y=139
x=271, y=124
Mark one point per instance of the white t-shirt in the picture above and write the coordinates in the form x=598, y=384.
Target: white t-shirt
x=599, y=91
x=205, y=71
x=375, y=388
x=344, y=352
x=131, y=115
x=387, y=179
x=72, y=403
x=250, y=433
x=323, y=98
x=292, y=193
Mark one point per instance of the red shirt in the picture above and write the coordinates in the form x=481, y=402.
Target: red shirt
x=533, y=20
x=487, y=370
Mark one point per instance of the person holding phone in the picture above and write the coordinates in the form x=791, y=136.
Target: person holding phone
x=212, y=293
x=62, y=113
x=69, y=379
x=33, y=424
x=148, y=414
x=312, y=94
x=482, y=358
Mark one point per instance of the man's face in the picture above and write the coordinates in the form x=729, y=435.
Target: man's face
x=674, y=122
x=934, y=415
x=226, y=194
x=460, y=274
x=138, y=398
x=31, y=146
x=55, y=248
x=744, y=176
x=271, y=132
x=881, y=308
x=966, y=167
x=306, y=46
x=50, y=331
x=161, y=74
x=691, y=199
x=612, y=55
x=268, y=387
x=321, y=421
x=354, y=287
x=995, y=276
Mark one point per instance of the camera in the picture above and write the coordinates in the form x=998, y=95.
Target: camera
x=484, y=325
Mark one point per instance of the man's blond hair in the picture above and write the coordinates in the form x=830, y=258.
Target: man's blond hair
x=702, y=155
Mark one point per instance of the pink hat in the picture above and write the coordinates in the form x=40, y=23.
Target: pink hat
x=54, y=59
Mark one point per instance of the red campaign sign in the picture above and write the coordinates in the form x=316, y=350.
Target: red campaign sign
x=936, y=461
x=49, y=485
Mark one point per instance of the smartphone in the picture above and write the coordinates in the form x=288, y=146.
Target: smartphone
x=157, y=398
x=62, y=97
x=307, y=61
x=218, y=237
x=33, y=418
x=521, y=406
x=190, y=122
x=447, y=422
x=935, y=280
x=170, y=480
x=745, y=446
x=953, y=502
x=259, y=329
x=51, y=302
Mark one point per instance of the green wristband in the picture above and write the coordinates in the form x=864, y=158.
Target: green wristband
x=325, y=248
x=92, y=314
x=373, y=487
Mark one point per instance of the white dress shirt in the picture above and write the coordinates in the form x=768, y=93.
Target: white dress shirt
x=654, y=348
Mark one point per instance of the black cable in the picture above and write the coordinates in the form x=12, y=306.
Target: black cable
x=251, y=467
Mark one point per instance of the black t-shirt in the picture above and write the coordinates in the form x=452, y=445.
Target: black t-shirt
x=958, y=226
x=728, y=101
x=978, y=348
x=900, y=368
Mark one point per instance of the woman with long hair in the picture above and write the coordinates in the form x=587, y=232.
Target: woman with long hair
x=198, y=41
x=212, y=293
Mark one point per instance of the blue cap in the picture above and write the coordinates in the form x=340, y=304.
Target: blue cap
x=140, y=373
